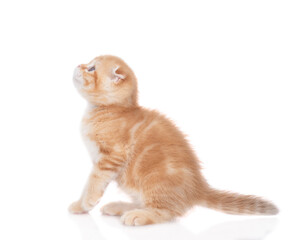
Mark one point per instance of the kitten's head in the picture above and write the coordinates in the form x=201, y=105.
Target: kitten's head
x=106, y=80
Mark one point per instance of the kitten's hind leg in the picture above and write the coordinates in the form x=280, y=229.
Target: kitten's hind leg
x=118, y=208
x=138, y=217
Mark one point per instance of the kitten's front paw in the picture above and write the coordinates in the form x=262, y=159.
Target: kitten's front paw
x=89, y=203
x=136, y=217
x=76, y=208
x=112, y=209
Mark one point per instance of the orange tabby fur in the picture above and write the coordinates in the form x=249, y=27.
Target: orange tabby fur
x=144, y=153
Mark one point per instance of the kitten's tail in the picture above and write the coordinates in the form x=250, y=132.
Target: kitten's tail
x=234, y=203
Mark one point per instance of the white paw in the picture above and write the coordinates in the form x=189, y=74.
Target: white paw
x=76, y=208
x=135, y=218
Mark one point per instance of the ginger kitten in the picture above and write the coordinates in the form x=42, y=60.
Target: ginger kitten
x=144, y=153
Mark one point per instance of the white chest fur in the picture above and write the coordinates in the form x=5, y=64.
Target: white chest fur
x=91, y=145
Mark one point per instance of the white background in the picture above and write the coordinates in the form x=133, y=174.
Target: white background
x=222, y=70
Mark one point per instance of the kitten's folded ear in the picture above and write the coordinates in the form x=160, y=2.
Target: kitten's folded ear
x=117, y=75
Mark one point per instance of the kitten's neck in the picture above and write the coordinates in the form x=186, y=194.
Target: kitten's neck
x=91, y=106
x=109, y=108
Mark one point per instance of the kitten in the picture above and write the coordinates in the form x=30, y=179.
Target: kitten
x=144, y=153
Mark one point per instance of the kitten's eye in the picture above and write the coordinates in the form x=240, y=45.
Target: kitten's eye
x=91, y=69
